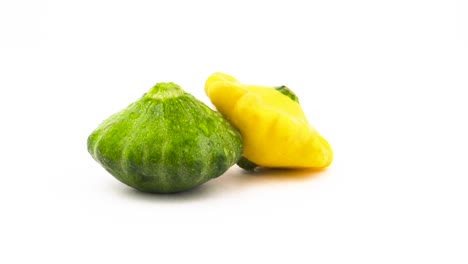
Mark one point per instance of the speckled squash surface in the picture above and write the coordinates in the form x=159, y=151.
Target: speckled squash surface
x=165, y=142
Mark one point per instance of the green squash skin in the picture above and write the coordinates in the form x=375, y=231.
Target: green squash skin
x=166, y=142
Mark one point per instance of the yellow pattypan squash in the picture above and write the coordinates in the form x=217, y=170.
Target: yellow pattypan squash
x=274, y=129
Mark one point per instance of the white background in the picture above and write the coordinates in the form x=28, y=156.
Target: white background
x=384, y=81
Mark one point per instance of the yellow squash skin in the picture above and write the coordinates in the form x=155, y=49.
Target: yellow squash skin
x=274, y=129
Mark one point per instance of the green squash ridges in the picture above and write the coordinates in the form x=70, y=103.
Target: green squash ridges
x=167, y=141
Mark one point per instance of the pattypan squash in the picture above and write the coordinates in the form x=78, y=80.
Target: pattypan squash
x=274, y=128
x=165, y=142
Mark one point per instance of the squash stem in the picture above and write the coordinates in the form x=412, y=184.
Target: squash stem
x=246, y=164
x=165, y=90
x=286, y=91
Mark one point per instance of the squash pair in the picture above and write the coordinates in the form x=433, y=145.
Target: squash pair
x=168, y=141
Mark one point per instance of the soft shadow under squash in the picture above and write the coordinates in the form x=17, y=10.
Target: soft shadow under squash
x=200, y=192
x=234, y=180
x=285, y=174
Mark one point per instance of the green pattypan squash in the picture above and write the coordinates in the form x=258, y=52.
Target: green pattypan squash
x=165, y=142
